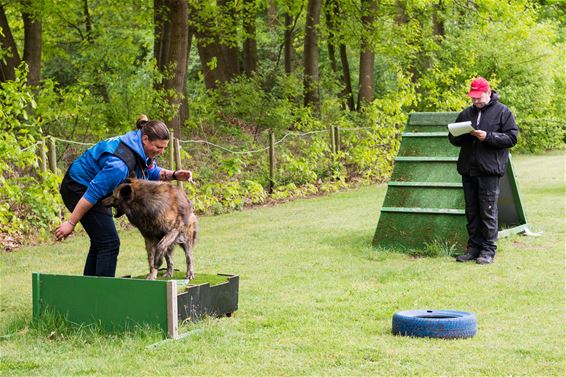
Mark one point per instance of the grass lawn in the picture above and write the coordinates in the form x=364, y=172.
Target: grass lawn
x=317, y=299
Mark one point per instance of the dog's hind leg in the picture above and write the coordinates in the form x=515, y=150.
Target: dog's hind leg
x=163, y=249
x=189, y=258
x=188, y=242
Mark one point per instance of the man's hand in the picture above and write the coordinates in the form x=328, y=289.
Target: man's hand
x=481, y=135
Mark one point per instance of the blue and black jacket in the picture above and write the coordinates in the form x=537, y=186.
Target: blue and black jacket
x=110, y=162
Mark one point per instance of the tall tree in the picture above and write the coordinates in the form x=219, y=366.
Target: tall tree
x=203, y=22
x=9, y=57
x=367, y=54
x=228, y=16
x=311, y=78
x=32, y=43
x=438, y=21
x=173, y=45
x=332, y=12
x=288, y=42
x=250, y=44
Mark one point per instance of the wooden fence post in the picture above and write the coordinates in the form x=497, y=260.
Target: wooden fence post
x=52, y=157
x=332, y=140
x=42, y=156
x=178, y=159
x=171, y=149
x=336, y=139
x=271, y=161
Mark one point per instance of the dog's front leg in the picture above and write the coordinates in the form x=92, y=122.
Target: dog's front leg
x=152, y=259
x=169, y=260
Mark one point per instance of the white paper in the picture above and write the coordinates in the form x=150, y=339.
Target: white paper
x=460, y=128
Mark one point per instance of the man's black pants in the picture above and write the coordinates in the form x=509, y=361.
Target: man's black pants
x=481, y=194
x=99, y=225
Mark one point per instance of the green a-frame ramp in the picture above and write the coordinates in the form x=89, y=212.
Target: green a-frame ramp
x=424, y=202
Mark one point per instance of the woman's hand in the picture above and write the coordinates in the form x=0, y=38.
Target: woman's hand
x=64, y=230
x=184, y=175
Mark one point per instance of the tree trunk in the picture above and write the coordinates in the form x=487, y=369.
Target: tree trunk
x=204, y=26
x=250, y=45
x=311, y=79
x=332, y=11
x=288, y=43
x=32, y=47
x=11, y=60
x=438, y=21
x=176, y=61
x=230, y=54
x=162, y=31
x=367, y=55
x=348, y=93
x=272, y=21
x=88, y=22
x=401, y=19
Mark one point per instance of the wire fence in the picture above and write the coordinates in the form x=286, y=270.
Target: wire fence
x=57, y=154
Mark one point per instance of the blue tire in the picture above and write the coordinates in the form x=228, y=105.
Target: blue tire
x=447, y=324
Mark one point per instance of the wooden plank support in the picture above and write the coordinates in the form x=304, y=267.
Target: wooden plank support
x=444, y=211
x=425, y=134
x=172, y=310
x=426, y=159
x=424, y=184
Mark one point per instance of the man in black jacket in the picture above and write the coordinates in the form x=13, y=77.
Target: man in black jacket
x=484, y=153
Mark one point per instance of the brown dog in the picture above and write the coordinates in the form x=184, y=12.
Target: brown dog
x=164, y=216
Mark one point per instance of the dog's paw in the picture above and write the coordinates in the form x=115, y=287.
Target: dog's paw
x=152, y=275
x=168, y=274
x=190, y=275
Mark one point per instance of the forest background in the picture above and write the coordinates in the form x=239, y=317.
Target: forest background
x=227, y=74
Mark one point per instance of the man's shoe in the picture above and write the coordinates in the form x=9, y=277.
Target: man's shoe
x=471, y=254
x=484, y=259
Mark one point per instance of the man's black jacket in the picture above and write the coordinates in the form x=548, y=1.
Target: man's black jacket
x=488, y=157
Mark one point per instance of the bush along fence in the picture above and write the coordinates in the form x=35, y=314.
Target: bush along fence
x=270, y=167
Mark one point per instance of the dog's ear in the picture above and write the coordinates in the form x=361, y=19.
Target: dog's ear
x=131, y=178
x=126, y=193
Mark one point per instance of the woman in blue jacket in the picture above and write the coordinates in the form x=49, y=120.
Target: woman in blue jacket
x=96, y=173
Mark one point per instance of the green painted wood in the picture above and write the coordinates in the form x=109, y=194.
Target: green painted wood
x=112, y=303
x=427, y=148
x=429, y=171
x=425, y=184
x=405, y=231
x=424, y=197
x=444, y=211
x=426, y=159
x=435, y=119
x=425, y=134
x=425, y=200
x=416, y=128
x=35, y=286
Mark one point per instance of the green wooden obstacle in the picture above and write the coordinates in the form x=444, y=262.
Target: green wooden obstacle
x=116, y=304
x=424, y=202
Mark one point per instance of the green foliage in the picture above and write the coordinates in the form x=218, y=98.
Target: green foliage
x=29, y=202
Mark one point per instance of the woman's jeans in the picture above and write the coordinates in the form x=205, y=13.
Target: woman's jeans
x=99, y=225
